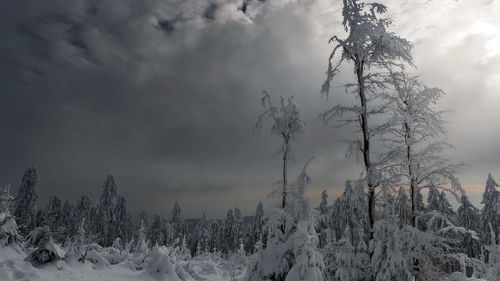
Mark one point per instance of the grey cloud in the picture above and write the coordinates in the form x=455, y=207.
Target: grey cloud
x=164, y=95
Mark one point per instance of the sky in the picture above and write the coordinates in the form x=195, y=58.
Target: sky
x=164, y=94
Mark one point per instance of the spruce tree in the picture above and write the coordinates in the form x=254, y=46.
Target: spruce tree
x=237, y=227
x=469, y=218
x=68, y=219
x=156, y=234
x=105, y=213
x=177, y=221
x=257, y=227
x=322, y=224
x=25, y=201
x=489, y=213
x=9, y=233
x=122, y=223
x=228, y=244
x=83, y=208
x=53, y=218
x=349, y=212
x=402, y=207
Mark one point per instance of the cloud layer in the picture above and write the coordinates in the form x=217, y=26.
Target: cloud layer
x=164, y=94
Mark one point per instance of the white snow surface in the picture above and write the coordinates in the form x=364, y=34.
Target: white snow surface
x=159, y=265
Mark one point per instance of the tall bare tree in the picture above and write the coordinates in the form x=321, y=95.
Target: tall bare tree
x=414, y=131
x=368, y=46
x=286, y=124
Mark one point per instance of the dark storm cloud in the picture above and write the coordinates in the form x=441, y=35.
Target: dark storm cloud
x=164, y=95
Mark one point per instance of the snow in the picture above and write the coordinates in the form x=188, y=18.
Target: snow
x=160, y=264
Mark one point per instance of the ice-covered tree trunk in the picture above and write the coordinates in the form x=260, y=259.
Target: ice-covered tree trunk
x=365, y=148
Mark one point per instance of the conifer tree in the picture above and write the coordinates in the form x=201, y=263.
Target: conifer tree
x=322, y=224
x=237, y=227
x=469, y=218
x=349, y=212
x=402, y=207
x=9, y=233
x=105, y=213
x=122, y=223
x=68, y=219
x=53, y=220
x=228, y=238
x=489, y=213
x=83, y=208
x=177, y=222
x=25, y=201
x=156, y=234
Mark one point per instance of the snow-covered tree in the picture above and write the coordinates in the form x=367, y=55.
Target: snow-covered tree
x=228, y=242
x=121, y=226
x=493, y=257
x=83, y=208
x=256, y=229
x=68, y=219
x=322, y=224
x=156, y=234
x=425, y=252
x=141, y=247
x=53, y=220
x=9, y=233
x=291, y=253
x=238, y=230
x=388, y=262
x=25, y=201
x=469, y=218
x=368, y=46
x=349, y=212
x=288, y=126
x=489, y=212
x=402, y=207
x=414, y=129
x=105, y=213
x=468, y=214
x=347, y=267
x=46, y=249
x=445, y=205
x=177, y=221
x=200, y=238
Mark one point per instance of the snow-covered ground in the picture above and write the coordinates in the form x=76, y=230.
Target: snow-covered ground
x=157, y=266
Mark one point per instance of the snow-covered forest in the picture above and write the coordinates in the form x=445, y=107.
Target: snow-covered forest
x=396, y=221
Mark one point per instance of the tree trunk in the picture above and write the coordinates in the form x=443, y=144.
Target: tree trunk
x=413, y=184
x=363, y=120
x=285, y=180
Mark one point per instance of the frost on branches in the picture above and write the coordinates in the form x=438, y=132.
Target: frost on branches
x=368, y=46
x=286, y=124
x=9, y=233
x=291, y=252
